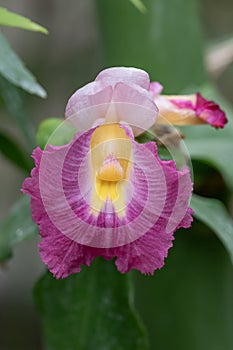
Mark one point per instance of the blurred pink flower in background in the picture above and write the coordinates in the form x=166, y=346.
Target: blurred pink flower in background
x=186, y=109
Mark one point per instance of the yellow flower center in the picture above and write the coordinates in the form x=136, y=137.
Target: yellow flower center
x=111, y=170
x=110, y=158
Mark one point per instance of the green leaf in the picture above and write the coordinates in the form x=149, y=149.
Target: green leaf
x=214, y=147
x=216, y=152
x=16, y=227
x=139, y=5
x=13, y=152
x=13, y=69
x=188, y=304
x=91, y=310
x=54, y=131
x=213, y=213
x=15, y=106
x=11, y=19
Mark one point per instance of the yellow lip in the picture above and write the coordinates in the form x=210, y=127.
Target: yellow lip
x=111, y=151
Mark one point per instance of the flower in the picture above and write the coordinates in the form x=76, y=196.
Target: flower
x=186, y=109
x=104, y=194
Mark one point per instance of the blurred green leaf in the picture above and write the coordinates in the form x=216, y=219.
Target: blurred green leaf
x=54, y=131
x=13, y=69
x=166, y=41
x=11, y=19
x=214, y=147
x=13, y=152
x=15, y=106
x=188, y=304
x=213, y=213
x=89, y=310
x=216, y=152
x=139, y=5
x=16, y=227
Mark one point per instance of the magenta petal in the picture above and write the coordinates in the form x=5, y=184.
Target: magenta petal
x=68, y=199
x=180, y=217
x=31, y=186
x=187, y=219
x=210, y=112
x=62, y=255
x=156, y=208
x=148, y=252
x=183, y=104
x=124, y=74
x=206, y=110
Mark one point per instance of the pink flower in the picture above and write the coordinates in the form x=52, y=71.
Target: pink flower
x=187, y=109
x=103, y=194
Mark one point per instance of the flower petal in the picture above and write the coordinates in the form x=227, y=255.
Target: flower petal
x=189, y=110
x=118, y=94
x=88, y=104
x=155, y=88
x=210, y=112
x=135, y=107
x=68, y=199
x=124, y=74
x=60, y=188
x=148, y=252
x=170, y=113
x=62, y=255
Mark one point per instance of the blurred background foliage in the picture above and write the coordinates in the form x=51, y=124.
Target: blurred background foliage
x=186, y=45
